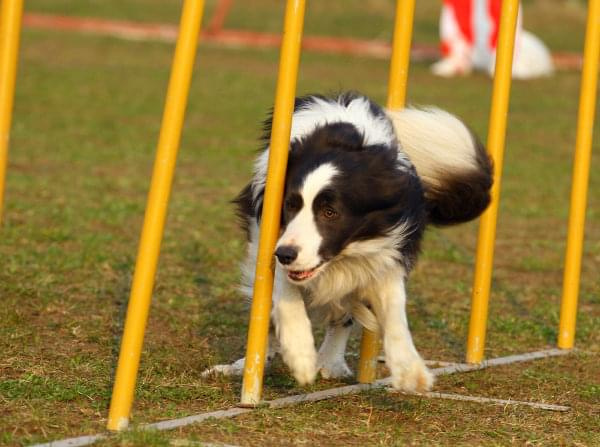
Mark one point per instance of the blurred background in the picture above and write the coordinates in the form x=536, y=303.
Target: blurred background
x=87, y=113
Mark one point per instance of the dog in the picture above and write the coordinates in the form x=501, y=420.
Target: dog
x=362, y=185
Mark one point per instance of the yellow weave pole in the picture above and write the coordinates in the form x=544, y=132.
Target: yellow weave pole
x=269, y=227
x=496, y=137
x=10, y=32
x=154, y=220
x=581, y=172
x=398, y=79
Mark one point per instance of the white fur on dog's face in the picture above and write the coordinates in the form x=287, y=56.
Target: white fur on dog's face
x=301, y=232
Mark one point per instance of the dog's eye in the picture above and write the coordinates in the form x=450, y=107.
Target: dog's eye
x=329, y=213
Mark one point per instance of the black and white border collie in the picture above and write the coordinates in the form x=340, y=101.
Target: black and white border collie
x=362, y=184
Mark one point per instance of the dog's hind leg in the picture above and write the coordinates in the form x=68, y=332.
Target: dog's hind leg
x=330, y=361
x=237, y=368
x=407, y=368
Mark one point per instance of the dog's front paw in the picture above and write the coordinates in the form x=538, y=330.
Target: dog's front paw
x=303, y=366
x=333, y=368
x=414, y=377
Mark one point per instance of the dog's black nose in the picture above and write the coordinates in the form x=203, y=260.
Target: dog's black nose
x=286, y=254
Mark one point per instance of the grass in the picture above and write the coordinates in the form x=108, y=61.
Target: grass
x=87, y=115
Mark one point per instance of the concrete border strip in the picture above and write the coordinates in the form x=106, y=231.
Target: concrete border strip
x=491, y=400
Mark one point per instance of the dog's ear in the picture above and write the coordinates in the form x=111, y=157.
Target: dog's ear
x=382, y=191
x=393, y=194
x=397, y=205
x=245, y=208
x=376, y=180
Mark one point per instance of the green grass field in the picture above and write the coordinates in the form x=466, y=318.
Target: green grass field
x=87, y=114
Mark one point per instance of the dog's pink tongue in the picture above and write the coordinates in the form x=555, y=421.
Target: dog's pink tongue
x=301, y=275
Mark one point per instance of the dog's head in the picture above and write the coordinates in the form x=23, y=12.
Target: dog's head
x=340, y=192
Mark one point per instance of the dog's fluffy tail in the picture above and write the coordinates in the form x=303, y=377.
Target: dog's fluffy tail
x=453, y=165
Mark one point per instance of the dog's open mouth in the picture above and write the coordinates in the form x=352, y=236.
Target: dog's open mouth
x=303, y=275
